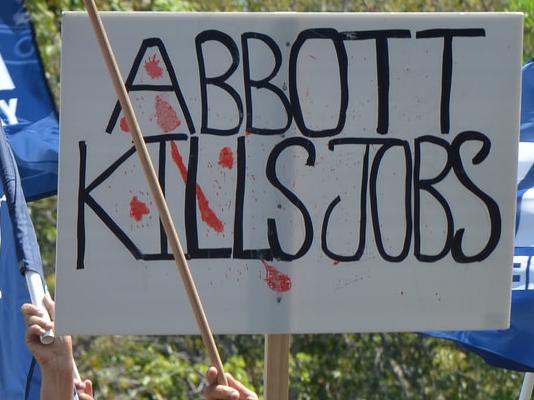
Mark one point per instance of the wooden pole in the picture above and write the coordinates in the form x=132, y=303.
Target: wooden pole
x=276, y=370
x=155, y=189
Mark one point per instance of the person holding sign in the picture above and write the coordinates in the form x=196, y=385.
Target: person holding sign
x=55, y=359
x=57, y=364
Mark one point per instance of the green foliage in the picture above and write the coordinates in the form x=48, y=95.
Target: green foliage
x=43, y=214
x=527, y=7
x=333, y=367
x=392, y=366
x=144, y=367
x=151, y=367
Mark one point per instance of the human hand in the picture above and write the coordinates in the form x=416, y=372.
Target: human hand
x=56, y=356
x=234, y=391
x=55, y=359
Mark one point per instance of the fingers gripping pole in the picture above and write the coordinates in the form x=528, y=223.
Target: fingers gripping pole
x=37, y=293
x=155, y=189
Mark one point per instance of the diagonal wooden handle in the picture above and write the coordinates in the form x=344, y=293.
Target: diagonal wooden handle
x=155, y=189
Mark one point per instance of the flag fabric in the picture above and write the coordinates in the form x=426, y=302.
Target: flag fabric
x=19, y=375
x=514, y=348
x=29, y=118
x=527, y=103
x=27, y=110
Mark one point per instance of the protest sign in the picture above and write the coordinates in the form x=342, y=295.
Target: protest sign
x=326, y=173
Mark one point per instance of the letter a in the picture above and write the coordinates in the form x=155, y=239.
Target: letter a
x=154, y=70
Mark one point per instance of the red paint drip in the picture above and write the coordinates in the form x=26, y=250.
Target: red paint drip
x=124, y=125
x=226, y=158
x=166, y=115
x=138, y=209
x=152, y=68
x=179, y=161
x=276, y=280
x=206, y=213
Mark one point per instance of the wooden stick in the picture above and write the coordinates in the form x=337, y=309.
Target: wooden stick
x=155, y=189
x=276, y=370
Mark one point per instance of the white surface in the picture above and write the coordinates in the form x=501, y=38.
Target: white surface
x=118, y=294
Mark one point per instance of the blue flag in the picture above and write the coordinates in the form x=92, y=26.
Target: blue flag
x=29, y=118
x=19, y=375
x=27, y=111
x=514, y=348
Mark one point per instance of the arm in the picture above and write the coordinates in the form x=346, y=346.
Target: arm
x=55, y=360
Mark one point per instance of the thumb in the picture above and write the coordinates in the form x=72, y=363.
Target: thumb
x=88, y=387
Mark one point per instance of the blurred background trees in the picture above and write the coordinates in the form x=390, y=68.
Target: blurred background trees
x=322, y=367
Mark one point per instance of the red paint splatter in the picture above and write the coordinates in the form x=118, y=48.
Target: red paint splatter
x=138, y=209
x=226, y=158
x=248, y=133
x=276, y=280
x=166, y=115
x=152, y=68
x=336, y=262
x=124, y=125
x=179, y=161
x=206, y=213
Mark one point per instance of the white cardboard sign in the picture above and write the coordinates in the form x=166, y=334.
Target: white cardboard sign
x=326, y=172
